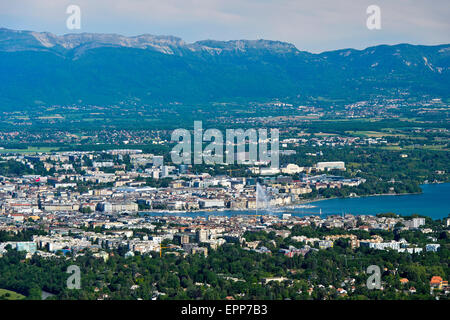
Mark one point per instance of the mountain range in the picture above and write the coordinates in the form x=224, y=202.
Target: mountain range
x=40, y=68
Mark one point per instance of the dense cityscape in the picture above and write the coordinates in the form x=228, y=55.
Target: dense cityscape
x=192, y=159
x=127, y=205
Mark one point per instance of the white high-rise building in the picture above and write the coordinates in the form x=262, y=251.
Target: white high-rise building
x=164, y=171
x=415, y=223
x=202, y=235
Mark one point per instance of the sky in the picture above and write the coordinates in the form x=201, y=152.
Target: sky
x=315, y=25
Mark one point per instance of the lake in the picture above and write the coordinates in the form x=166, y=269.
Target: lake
x=433, y=202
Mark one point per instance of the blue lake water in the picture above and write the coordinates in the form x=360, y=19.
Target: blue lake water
x=434, y=201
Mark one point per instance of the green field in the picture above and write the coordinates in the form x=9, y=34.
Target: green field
x=29, y=150
x=435, y=147
x=381, y=134
x=10, y=295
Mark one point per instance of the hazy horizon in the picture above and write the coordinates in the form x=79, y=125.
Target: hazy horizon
x=314, y=27
x=173, y=35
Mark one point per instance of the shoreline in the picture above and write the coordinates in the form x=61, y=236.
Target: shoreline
x=275, y=210
x=370, y=195
x=279, y=207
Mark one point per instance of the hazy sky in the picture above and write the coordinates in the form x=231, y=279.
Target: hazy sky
x=315, y=25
